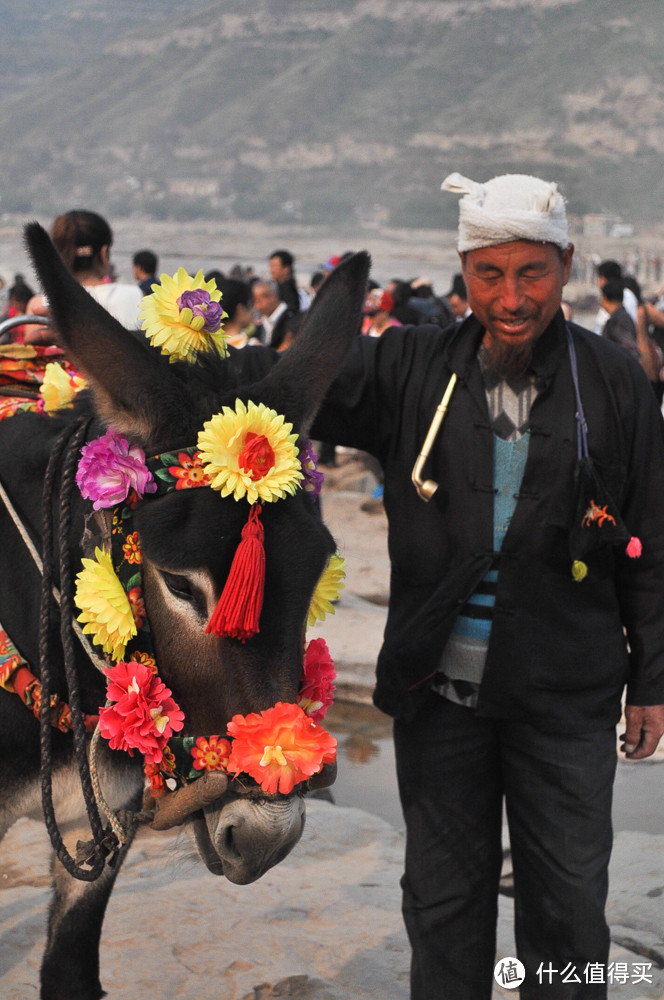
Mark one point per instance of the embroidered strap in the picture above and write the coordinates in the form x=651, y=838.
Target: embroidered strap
x=17, y=678
x=178, y=470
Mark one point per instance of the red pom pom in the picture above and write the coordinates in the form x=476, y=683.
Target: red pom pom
x=239, y=608
x=634, y=547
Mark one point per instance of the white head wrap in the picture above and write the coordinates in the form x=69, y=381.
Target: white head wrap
x=509, y=207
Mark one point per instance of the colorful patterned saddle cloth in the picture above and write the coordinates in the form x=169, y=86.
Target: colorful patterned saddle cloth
x=22, y=368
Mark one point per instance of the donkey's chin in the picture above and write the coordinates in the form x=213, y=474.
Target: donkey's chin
x=248, y=836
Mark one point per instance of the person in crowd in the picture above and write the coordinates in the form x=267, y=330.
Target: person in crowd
x=145, y=265
x=458, y=298
x=274, y=317
x=315, y=281
x=430, y=307
x=18, y=297
x=527, y=595
x=651, y=355
x=378, y=313
x=236, y=301
x=608, y=270
x=329, y=265
x=217, y=276
x=84, y=240
x=402, y=309
x=282, y=270
x=337, y=258
x=619, y=327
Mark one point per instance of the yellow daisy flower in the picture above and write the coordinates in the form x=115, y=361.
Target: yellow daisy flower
x=250, y=452
x=105, y=608
x=59, y=387
x=182, y=316
x=327, y=590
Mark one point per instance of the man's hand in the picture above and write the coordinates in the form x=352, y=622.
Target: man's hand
x=645, y=726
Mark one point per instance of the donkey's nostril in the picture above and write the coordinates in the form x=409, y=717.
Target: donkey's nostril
x=227, y=843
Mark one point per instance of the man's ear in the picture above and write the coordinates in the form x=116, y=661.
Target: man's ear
x=568, y=254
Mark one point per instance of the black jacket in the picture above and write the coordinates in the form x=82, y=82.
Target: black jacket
x=558, y=655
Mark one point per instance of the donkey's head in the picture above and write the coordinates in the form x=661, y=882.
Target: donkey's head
x=189, y=537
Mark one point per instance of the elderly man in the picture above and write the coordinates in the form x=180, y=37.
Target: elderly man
x=276, y=323
x=526, y=536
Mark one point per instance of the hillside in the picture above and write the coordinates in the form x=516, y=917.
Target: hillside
x=320, y=112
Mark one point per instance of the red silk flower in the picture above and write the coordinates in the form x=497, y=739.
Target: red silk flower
x=144, y=715
x=279, y=747
x=317, y=689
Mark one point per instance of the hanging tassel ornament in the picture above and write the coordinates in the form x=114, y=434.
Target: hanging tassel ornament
x=238, y=609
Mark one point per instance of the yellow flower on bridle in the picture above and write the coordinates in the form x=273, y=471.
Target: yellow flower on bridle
x=250, y=452
x=105, y=609
x=327, y=590
x=183, y=316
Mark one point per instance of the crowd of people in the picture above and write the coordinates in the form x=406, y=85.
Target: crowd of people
x=269, y=308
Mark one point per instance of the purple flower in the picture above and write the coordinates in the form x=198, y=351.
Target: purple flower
x=200, y=303
x=313, y=479
x=109, y=469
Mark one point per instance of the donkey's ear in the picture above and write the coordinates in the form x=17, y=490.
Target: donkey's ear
x=130, y=385
x=297, y=385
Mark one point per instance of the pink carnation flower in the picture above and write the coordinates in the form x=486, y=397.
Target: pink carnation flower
x=144, y=715
x=109, y=469
x=317, y=688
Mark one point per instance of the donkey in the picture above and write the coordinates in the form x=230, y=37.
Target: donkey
x=188, y=539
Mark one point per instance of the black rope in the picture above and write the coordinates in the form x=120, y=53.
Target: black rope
x=66, y=449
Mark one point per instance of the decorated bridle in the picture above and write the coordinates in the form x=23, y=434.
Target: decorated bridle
x=249, y=453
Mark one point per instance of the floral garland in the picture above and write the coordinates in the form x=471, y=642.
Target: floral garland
x=140, y=713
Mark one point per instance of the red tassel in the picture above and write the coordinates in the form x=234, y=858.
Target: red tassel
x=238, y=609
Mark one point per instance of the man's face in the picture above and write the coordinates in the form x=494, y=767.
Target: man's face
x=515, y=289
x=265, y=300
x=457, y=305
x=278, y=271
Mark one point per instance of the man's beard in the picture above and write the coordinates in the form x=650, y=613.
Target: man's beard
x=507, y=360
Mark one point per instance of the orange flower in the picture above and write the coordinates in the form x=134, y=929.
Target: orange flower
x=154, y=776
x=279, y=747
x=137, y=605
x=132, y=548
x=211, y=754
x=145, y=658
x=189, y=472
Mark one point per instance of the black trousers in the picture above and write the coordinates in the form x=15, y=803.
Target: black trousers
x=454, y=771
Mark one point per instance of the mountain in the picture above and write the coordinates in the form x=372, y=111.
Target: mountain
x=322, y=111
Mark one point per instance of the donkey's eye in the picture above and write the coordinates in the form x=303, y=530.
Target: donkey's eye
x=178, y=585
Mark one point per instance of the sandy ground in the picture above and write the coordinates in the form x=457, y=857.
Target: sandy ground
x=325, y=924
